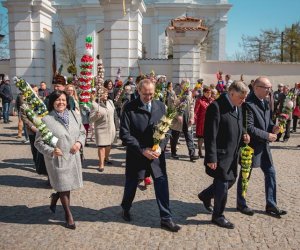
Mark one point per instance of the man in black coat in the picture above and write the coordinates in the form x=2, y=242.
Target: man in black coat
x=7, y=97
x=262, y=131
x=223, y=130
x=136, y=132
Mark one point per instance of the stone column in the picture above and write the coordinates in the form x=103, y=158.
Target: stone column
x=30, y=23
x=122, y=36
x=186, y=54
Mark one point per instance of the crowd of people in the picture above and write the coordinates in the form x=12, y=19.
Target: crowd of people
x=221, y=116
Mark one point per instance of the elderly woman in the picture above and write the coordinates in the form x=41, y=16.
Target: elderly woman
x=102, y=114
x=63, y=162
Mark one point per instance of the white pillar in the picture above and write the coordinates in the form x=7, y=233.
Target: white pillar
x=30, y=23
x=122, y=36
x=186, y=55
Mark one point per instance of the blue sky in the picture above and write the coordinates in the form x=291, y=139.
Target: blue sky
x=248, y=17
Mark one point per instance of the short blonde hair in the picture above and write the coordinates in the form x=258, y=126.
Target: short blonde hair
x=239, y=87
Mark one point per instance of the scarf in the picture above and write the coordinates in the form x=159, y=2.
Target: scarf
x=64, y=117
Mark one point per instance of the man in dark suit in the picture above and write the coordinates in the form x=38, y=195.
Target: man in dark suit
x=136, y=132
x=262, y=131
x=223, y=131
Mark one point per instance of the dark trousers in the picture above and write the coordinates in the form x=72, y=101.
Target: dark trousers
x=33, y=149
x=270, y=185
x=5, y=109
x=161, y=192
x=218, y=191
x=295, y=120
x=188, y=138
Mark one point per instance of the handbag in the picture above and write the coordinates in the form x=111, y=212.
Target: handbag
x=296, y=111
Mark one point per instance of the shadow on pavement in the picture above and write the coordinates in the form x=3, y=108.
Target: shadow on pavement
x=22, y=181
x=144, y=213
x=21, y=163
x=286, y=147
x=105, y=179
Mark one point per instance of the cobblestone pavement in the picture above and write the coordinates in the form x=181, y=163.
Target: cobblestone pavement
x=27, y=223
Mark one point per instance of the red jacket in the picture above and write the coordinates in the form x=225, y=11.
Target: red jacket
x=200, y=110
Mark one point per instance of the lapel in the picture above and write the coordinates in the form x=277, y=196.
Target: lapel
x=155, y=112
x=261, y=110
x=142, y=107
x=232, y=111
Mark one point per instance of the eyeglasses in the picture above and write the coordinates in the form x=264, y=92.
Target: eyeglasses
x=266, y=88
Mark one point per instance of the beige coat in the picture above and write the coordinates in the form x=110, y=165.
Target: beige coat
x=105, y=130
x=65, y=171
x=178, y=123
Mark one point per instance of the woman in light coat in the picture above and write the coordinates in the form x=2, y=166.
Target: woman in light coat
x=63, y=162
x=102, y=114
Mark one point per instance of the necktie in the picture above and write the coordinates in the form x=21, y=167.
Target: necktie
x=263, y=105
x=148, y=107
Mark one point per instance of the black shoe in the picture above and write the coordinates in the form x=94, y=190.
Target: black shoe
x=107, y=162
x=277, y=140
x=285, y=140
x=54, y=198
x=206, y=203
x=193, y=157
x=275, y=211
x=175, y=156
x=222, y=222
x=126, y=215
x=71, y=226
x=245, y=210
x=169, y=225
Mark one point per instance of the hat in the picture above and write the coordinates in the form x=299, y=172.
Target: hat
x=5, y=78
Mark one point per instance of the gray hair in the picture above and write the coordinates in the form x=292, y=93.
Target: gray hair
x=145, y=82
x=239, y=87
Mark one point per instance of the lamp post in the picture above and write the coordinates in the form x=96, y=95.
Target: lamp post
x=281, y=46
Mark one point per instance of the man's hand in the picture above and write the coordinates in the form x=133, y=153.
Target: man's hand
x=276, y=130
x=150, y=154
x=212, y=166
x=272, y=137
x=246, y=138
x=75, y=148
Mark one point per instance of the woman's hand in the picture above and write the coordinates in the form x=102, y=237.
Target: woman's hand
x=75, y=148
x=57, y=152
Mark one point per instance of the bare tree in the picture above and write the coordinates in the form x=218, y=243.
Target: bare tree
x=67, y=49
x=274, y=45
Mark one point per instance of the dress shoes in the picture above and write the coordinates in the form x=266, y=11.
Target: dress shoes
x=275, y=211
x=193, y=157
x=71, y=226
x=126, y=215
x=245, y=210
x=222, y=222
x=175, y=156
x=169, y=225
x=206, y=203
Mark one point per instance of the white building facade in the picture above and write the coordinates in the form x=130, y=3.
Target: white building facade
x=125, y=39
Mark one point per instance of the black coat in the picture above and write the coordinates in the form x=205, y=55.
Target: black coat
x=136, y=132
x=6, y=93
x=223, y=130
x=259, y=125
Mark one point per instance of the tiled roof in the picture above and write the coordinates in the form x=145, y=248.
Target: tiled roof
x=189, y=20
x=187, y=28
x=186, y=18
